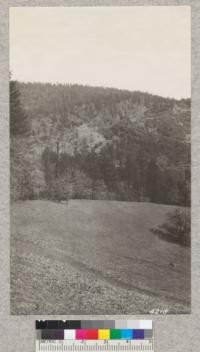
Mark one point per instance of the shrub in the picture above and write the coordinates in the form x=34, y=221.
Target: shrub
x=177, y=228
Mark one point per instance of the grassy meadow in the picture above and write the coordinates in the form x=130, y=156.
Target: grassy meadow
x=95, y=257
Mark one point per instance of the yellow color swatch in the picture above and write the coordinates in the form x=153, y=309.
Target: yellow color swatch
x=103, y=334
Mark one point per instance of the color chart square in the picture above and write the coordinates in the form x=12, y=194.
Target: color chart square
x=69, y=334
x=145, y=324
x=104, y=334
x=92, y=334
x=52, y=334
x=115, y=334
x=81, y=334
x=138, y=334
x=126, y=334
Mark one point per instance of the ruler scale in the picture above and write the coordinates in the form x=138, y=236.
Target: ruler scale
x=94, y=336
x=63, y=345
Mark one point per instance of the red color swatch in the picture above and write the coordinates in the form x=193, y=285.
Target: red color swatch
x=92, y=334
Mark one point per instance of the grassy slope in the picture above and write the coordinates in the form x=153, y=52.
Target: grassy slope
x=94, y=257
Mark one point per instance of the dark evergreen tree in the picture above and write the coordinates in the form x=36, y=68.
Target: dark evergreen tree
x=152, y=179
x=19, y=125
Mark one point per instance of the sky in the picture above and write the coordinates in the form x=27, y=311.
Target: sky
x=144, y=48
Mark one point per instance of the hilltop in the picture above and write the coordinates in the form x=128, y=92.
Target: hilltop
x=106, y=143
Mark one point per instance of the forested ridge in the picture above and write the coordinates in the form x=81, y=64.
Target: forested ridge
x=79, y=142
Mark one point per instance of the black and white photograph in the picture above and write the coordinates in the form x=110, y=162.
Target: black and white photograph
x=100, y=160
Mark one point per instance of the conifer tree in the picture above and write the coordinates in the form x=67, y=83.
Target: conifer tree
x=19, y=125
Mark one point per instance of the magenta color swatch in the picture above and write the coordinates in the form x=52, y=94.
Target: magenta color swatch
x=81, y=334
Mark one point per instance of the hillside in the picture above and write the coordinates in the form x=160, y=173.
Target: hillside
x=104, y=143
x=102, y=259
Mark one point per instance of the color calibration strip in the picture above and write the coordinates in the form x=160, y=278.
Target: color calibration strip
x=98, y=335
x=94, y=330
x=95, y=334
x=93, y=324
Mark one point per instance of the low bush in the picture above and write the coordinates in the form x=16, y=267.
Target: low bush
x=177, y=228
